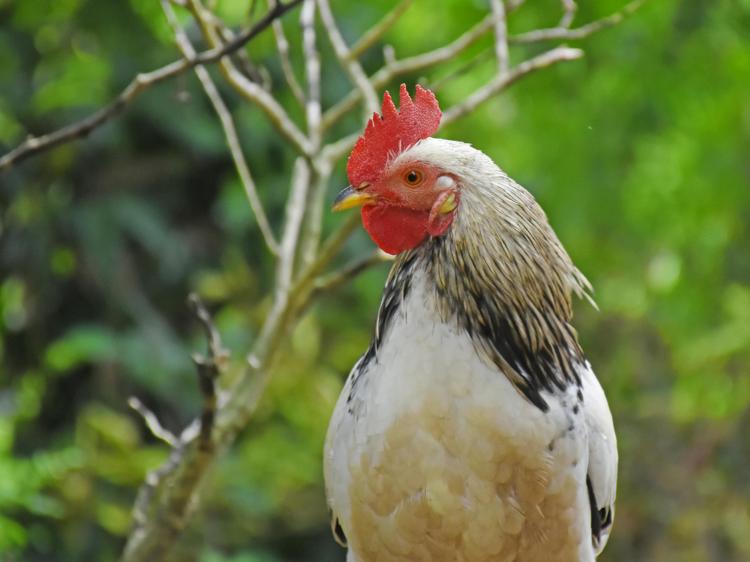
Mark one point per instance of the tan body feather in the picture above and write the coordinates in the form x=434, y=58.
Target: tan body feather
x=450, y=442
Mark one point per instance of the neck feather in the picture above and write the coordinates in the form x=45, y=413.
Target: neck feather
x=502, y=274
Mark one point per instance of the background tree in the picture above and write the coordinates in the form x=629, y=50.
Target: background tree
x=637, y=155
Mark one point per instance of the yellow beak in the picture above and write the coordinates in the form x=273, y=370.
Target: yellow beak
x=350, y=198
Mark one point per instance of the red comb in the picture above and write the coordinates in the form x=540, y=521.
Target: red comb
x=391, y=134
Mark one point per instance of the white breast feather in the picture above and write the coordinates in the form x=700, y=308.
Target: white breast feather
x=420, y=357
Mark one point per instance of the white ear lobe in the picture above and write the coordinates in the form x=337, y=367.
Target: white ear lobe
x=444, y=182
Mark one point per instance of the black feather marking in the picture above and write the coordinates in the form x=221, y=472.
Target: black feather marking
x=396, y=290
x=545, y=363
x=596, y=514
x=338, y=533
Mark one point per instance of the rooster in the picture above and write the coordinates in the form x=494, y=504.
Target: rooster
x=473, y=428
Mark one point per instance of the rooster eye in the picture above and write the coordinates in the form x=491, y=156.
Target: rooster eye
x=413, y=177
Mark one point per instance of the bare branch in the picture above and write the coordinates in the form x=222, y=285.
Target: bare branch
x=282, y=45
x=313, y=228
x=209, y=368
x=437, y=84
x=501, y=36
x=334, y=151
x=348, y=272
x=239, y=404
x=350, y=64
x=499, y=83
x=564, y=34
x=371, y=36
x=152, y=422
x=276, y=114
x=312, y=73
x=255, y=72
x=34, y=145
x=142, y=507
x=409, y=65
x=230, y=131
x=252, y=92
x=318, y=172
x=429, y=59
x=569, y=12
x=166, y=500
x=294, y=215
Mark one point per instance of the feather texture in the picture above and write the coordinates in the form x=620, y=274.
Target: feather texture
x=473, y=428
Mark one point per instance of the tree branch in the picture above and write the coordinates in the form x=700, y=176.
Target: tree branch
x=348, y=272
x=350, y=64
x=319, y=172
x=282, y=45
x=409, y=65
x=565, y=34
x=418, y=63
x=209, y=368
x=230, y=131
x=569, y=12
x=500, y=82
x=501, y=36
x=36, y=144
x=437, y=84
x=294, y=216
x=252, y=92
x=371, y=36
x=152, y=422
x=312, y=73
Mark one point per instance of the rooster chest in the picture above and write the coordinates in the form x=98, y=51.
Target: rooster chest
x=434, y=455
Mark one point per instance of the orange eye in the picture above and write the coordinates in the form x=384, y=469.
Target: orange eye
x=413, y=178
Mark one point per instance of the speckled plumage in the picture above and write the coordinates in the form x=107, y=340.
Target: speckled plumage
x=473, y=429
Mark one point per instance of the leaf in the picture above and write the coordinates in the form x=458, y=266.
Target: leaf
x=82, y=344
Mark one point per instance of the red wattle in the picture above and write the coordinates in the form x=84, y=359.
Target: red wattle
x=395, y=229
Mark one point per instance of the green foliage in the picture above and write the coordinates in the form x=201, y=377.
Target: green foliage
x=638, y=153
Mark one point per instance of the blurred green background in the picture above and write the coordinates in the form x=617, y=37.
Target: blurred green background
x=640, y=154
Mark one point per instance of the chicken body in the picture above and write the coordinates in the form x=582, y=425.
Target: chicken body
x=473, y=429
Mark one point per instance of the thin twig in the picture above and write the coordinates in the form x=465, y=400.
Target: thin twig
x=371, y=36
x=350, y=64
x=312, y=73
x=143, y=81
x=499, y=83
x=294, y=215
x=313, y=227
x=252, y=92
x=418, y=63
x=408, y=65
x=501, y=36
x=350, y=271
x=239, y=404
x=564, y=34
x=148, y=490
x=569, y=12
x=282, y=45
x=334, y=151
x=230, y=131
x=437, y=84
x=209, y=368
x=255, y=72
x=310, y=235
x=152, y=422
